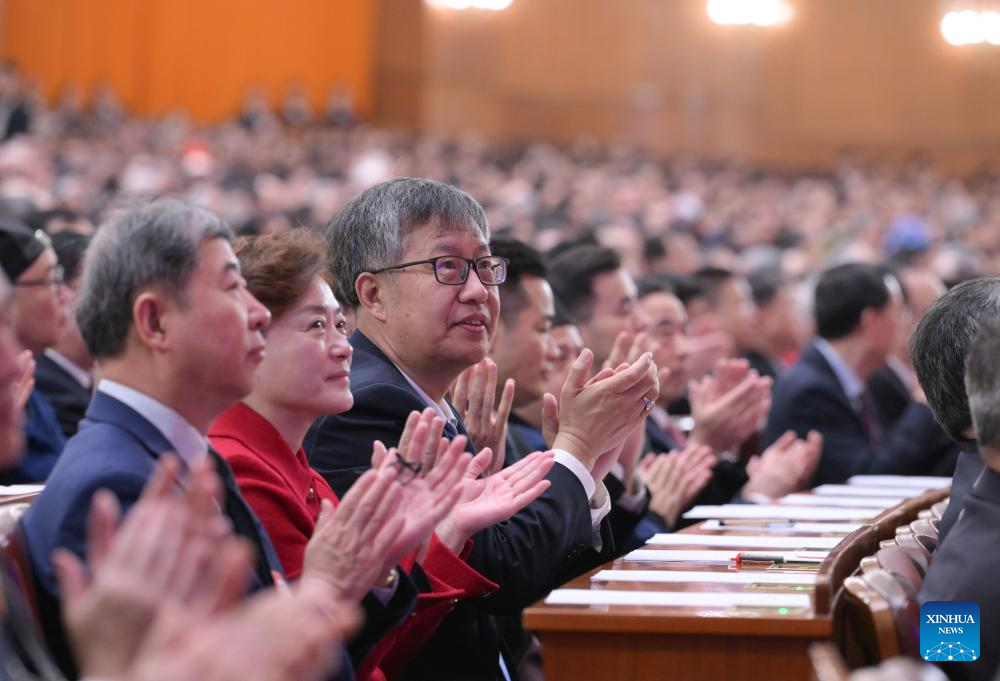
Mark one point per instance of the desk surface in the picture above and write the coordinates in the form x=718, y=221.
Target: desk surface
x=644, y=642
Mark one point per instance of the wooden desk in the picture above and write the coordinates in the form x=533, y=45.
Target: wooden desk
x=646, y=643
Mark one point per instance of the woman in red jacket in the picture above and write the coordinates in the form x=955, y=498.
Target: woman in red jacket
x=306, y=374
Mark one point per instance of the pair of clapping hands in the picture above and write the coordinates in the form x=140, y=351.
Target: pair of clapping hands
x=163, y=599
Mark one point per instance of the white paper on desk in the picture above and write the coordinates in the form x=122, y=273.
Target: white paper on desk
x=704, y=577
x=744, y=541
x=932, y=481
x=856, y=502
x=695, y=599
x=769, y=511
x=864, y=491
x=714, y=557
x=16, y=490
x=784, y=528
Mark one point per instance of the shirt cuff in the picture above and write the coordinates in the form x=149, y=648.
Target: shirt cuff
x=634, y=502
x=600, y=506
x=578, y=469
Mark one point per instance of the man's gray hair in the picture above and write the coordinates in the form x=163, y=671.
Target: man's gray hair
x=154, y=243
x=982, y=382
x=371, y=231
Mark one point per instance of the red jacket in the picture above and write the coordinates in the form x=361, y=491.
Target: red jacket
x=285, y=493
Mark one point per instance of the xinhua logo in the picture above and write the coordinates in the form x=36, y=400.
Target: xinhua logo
x=949, y=631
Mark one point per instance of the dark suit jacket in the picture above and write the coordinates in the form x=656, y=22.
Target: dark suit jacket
x=891, y=398
x=539, y=548
x=44, y=442
x=66, y=395
x=117, y=449
x=762, y=364
x=963, y=569
x=809, y=397
x=967, y=471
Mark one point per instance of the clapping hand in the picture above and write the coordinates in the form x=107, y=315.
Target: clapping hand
x=675, y=479
x=784, y=467
x=473, y=395
x=728, y=406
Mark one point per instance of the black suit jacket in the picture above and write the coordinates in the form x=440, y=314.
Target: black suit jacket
x=967, y=471
x=809, y=397
x=963, y=569
x=67, y=396
x=542, y=546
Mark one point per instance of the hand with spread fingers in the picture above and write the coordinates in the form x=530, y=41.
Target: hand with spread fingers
x=784, y=467
x=172, y=557
x=26, y=381
x=474, y=395
x=675, y=479
x=488, y=500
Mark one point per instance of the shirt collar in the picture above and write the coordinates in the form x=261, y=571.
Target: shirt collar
x=189, y=444
x=442, y=408
x=848, y=380
x=79, y=374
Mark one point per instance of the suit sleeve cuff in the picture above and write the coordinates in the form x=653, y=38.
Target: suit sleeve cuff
x=578, y=469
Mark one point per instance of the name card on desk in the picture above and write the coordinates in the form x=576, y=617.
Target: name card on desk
x=932, y=481
x=700, y=577
x=868, y=491
x=780, y=526
x=744, y=541
x=714, y=557
x=781, y=512
x=855, y=502
x=693, y=599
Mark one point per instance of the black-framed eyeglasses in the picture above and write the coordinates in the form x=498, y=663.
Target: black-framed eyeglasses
x=408, y=470
x=57, y=279
x=453, y=270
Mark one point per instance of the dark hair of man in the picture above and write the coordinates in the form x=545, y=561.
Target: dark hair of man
x=843, y=293
x=572, y=273
x=562, y=316
x=712, y=279
x=982, y=382
x=653, y=248
x=765, y=284
x=279, y=267
x=654, y=283
x=940, y=344
x=685, y=287
x=70, y=249
x=525, y=261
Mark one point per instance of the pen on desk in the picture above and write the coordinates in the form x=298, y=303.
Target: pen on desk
x=741, y=558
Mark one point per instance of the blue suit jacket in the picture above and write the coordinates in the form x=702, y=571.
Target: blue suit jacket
x=44, y=441
x=117, y=449
x=809, y=397
x=541, y=547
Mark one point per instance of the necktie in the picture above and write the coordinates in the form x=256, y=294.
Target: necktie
x=866, y=412
x=245, y=523
x=450, y=430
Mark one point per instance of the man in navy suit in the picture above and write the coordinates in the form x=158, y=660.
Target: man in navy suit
x=963, y=568
x=165, y=311
x=412, y=257
x=857, y=312
x=939, y=346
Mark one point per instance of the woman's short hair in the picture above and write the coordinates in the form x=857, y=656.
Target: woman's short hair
x=278, y=267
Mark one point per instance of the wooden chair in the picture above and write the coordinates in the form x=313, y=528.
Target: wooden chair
x=919, y=553
x=938, y=509
x=896, y=561
x=876, y=616
x=841, y=563
x=827, y=664
x=925, y=533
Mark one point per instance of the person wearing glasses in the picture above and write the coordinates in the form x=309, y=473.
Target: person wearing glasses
x=307, y=373
x=37, y=317
x=412, y=257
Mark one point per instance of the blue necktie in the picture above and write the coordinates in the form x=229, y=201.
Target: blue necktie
x=450, y=430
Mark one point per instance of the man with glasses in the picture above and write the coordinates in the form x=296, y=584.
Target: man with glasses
x=37, y=317
x=412, y=257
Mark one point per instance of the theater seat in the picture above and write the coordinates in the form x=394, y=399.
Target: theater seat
x=876, y=616
x=896, y=561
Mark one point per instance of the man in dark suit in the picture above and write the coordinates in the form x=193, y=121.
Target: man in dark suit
x=64, y=371
x=179, y=342
x=412, y=257
x=939, y=346
x=857, y=310
x=37, y=318
x=963, y=568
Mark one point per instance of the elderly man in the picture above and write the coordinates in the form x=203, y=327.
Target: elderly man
x=412, y=257
x=37, y=317
x=164, y=310
x=857, y=310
